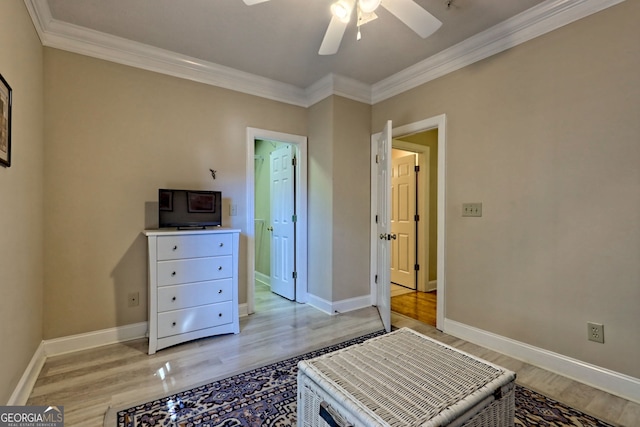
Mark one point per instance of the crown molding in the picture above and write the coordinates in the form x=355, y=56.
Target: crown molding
x=99, y=45
x=335, y=84
x=534, y=22
x=539, y=20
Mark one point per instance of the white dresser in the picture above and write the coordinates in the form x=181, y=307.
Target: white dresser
x=193, y=285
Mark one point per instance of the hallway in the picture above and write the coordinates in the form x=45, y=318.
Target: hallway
x=420, y=306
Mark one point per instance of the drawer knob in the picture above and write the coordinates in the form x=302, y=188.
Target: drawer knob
x=175, y=248
x=219, y=314
x=173, y=324
x=220, y=268
x=173, y=273
x=219, y=291
x=221, y=244
x=173, y=299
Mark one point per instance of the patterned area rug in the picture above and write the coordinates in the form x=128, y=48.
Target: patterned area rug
x=267, y=397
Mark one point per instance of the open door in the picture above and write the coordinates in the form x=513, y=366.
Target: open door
x=283, y=222
x=403, y=221
x=383, y=255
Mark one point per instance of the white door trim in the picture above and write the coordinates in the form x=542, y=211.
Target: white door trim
x=437, y=122
x=300, y=142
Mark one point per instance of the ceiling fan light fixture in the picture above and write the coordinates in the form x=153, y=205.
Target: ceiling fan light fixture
x=341, y=10
x=368, y=6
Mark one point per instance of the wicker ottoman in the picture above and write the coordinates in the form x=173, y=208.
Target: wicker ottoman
x=403, y=379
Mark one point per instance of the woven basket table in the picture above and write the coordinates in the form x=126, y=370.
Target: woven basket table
x=403, y=379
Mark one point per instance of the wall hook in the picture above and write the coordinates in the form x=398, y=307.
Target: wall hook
x=213, y=173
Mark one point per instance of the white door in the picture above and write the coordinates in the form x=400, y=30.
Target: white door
x=403, y=221
x=383, y=288
x=283, y=222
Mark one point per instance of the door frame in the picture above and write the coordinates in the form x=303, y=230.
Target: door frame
x=439, y=123
x=300, y=143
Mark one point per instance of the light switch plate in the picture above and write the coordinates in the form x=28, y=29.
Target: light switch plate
x=472, y=209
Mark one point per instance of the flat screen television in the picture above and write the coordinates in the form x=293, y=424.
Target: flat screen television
x=189, y=208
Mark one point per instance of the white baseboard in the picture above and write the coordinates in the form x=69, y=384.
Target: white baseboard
x=610, y=381
x=95, y=339
x=71, y=343
x=262, y=278
x=433, y=285
x=243, y=311
x=22, y=391
x=337, y=307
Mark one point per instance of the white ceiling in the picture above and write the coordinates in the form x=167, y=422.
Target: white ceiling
x=274, y=44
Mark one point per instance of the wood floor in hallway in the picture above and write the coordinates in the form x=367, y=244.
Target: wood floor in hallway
x=420, y=306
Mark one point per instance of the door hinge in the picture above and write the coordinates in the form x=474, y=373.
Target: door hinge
x=294, y=218
x=376, y=219
x=416, y=217
x=294, y=162
x=294, y=275
x=417, y=168
x=416, y=267
x=377, y=158
x=376, y=279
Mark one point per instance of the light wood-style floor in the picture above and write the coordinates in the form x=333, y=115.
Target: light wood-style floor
x=88, y=383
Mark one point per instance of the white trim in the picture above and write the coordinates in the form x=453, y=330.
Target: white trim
x=68, y=344
x=440, y=123
x=610, y=381
x=301, y=210
x=433, y=285
x=334, y=84
x=81, y=40
x=337, y=307
x=320, y=304
x=23, y=390
x=243, y=311
x=263, y=278
x=534, y=22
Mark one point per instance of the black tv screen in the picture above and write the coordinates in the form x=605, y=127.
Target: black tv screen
x=189, y=208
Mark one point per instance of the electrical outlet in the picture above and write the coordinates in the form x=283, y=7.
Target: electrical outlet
x=133, y=299
x=596, y=332
x=233, y=209
x=472, y=209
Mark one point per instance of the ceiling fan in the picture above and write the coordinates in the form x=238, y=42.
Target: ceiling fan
x=408, y=11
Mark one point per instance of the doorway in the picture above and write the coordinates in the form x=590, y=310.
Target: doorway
x=258, y=226
x=436, y=277
x=424, y=213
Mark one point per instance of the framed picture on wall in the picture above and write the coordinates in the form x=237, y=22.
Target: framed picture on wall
x=5, y=122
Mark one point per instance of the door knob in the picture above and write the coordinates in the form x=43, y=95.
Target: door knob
x=269, y=228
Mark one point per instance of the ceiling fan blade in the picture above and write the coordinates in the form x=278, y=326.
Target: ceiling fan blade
x=333, y=37
x=335, y=31
x=252, y=2
x=414, y=16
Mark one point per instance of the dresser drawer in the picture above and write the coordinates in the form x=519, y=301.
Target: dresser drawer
x=192, y=319
x=194, y=246
x=194, y=270
x=194, y=294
